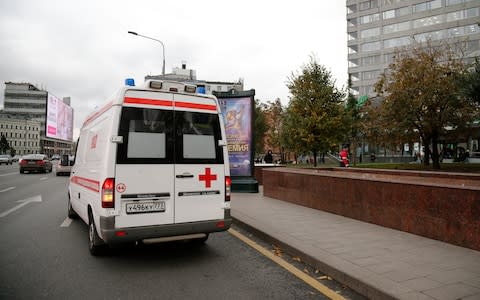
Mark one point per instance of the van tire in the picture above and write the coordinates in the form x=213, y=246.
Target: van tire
x=70, y=212
x=95, y=244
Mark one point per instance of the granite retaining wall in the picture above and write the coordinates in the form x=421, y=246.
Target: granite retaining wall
x=441, y=206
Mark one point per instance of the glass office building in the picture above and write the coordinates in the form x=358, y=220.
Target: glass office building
x=376, y=28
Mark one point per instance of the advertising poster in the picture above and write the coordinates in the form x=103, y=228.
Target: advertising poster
x=59, y=119
x=237, y=114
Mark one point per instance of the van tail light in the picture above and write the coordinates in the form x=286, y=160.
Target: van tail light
x=108, y=193
x=228, y=187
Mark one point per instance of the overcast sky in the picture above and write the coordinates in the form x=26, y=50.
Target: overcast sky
x=81, y=49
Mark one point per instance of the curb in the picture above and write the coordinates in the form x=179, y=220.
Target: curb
x=361, y=287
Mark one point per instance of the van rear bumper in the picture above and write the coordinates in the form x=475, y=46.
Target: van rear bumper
x=131, y=234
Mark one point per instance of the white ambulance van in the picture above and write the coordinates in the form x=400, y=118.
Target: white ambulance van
x=152, y=165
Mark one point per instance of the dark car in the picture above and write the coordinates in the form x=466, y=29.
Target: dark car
x=35, y=163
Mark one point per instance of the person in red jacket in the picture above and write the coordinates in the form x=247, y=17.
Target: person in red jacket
x=344, y=162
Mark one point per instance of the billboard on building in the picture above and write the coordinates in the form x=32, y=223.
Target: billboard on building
x=59, y=123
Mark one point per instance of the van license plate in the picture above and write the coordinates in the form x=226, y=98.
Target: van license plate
x=145, y=207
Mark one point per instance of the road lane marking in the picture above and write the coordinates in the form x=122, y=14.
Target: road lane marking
x=66, y=222
x=292, y=269
x=23, y=202
x=43, y=178
x=8, y=189
x=6, y=174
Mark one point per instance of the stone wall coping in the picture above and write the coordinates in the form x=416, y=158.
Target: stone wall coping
x=425, y=178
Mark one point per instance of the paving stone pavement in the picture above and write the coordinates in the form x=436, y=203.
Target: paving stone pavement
x=378, y=262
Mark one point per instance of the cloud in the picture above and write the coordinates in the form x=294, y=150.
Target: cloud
x=81, y=49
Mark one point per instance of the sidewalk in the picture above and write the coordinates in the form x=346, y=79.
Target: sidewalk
x=378, y=262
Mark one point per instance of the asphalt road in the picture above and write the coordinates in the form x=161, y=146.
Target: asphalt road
x=45, y=256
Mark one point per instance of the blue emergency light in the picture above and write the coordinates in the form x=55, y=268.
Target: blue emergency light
x=130, y=82
x=201, y=90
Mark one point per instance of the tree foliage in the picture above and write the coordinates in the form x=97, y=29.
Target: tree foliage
x=421, y=95
x=315, y=117
x=470, y=83
x=274, y=111
x=4, y=146
x=260, y=126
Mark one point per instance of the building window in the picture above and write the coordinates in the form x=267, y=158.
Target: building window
x=454, y=2
x=368, y=33
x=396, y=27
x=427, y=6
x=433, y=35
x=369, y=18
x=433, y=20
x=374, y=46
x=463, y=30
x=463, y=14
x=398, y=42
x=369, y=75
x=371, y=60
x=388, y=14
x=395, y=13
x=390, y=2
x=368, y=4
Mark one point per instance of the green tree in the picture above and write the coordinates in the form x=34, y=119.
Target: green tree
x=316, y=109
x=421, y=95
x=4, y=146
x=469, y=83
x=353, y=117
x=260, y=127
x=274, y=111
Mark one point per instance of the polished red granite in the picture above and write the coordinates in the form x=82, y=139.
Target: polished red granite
x=441, y=206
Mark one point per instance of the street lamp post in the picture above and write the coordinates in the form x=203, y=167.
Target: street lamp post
x=163, y=47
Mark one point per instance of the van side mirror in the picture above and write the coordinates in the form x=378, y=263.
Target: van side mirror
x=117, y=139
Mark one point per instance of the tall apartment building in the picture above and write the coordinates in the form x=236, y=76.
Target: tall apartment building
x=377, y=27
x=27, y=102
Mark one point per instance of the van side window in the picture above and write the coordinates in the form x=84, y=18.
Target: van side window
x=147, y=136
x=197, y=138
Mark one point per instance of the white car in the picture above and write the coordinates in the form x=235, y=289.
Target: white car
x=64, y=166
x=5, y=159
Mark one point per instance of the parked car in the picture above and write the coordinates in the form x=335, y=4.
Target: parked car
x=5, y=159
x=35, y=163
x=16, y=158
x=64, y=166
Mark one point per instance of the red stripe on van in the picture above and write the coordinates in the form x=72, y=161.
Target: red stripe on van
x=98, y=113
x=195, y=105
x=90, y=184
x=131, y=100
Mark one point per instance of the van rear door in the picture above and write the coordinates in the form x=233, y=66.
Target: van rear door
x=199, y=168
x=144, y=170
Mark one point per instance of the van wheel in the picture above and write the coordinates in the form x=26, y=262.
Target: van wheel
x=70, y=212
x=95, y=243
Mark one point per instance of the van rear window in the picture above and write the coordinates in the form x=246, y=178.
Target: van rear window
x=147, y=136
x=197, y=138
x=155, y=136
